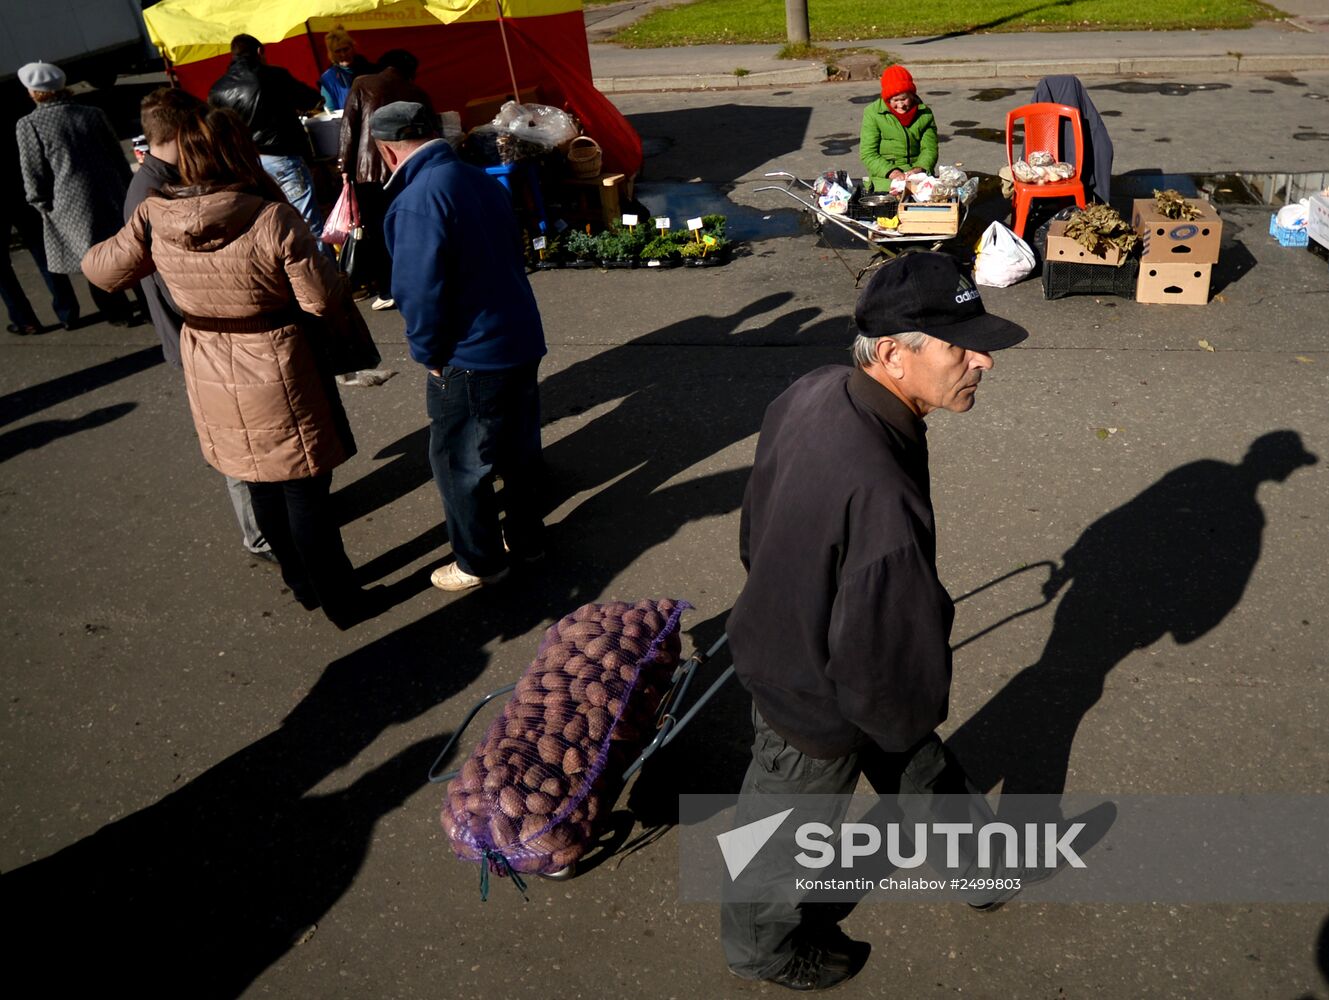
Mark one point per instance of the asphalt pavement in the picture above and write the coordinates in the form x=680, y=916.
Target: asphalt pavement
x=210, y=792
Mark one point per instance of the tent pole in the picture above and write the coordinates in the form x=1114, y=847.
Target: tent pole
x=512, y=74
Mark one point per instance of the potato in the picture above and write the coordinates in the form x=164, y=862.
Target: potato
x=578, y=689
x=554, y=680
x=596, y=693
x=597, y=724
x=538, y=802
x=565, y=857
x=575, y=730
x=536, y=775
x=599, y=646
x=511, y=802
x=581, y=633
x=471, y=777
x=502, y=830
x=556, y=655
x=550, y=748
x=574, y=761
x=552, y=786
x=478, y=803
x=514, y=728
x=496, y=779
x=532, y=825
x=614, y=706
x=533, y=696
x=556, y=717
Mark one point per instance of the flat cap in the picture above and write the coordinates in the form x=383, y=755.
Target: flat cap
x=42, y=76
x=401, y=120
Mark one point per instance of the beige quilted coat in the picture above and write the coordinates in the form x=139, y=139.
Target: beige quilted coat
x=262, y=410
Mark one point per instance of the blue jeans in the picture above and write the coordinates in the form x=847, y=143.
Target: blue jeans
x=484, y=424
x=292, y=174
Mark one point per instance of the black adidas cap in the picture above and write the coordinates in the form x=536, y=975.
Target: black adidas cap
x=931, y=292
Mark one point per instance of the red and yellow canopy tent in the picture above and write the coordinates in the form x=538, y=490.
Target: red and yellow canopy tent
x=473, y=53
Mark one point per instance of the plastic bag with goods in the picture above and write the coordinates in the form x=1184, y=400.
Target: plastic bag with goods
x=951, y=175
x=1038, y=158
x=528, y=797
x=967, y=191
x=536, y=123
x=1025, y=173
x=832, y=189
x=1003, y=258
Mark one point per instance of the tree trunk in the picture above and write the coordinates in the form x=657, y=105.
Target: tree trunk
x=796, y=21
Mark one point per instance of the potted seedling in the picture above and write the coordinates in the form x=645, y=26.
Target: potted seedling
x=582, y=248
x=617, y=248
x=663, y=249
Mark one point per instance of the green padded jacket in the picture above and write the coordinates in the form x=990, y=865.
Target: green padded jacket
x=886, y=145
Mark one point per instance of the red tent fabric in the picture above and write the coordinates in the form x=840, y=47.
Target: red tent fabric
x=463, y=64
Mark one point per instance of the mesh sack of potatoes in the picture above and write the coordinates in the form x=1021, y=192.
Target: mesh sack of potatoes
x=527, y=798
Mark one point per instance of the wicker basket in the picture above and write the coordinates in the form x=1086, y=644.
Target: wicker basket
x=584, y=156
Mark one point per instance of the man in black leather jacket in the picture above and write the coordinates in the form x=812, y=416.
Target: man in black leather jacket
x=270, y=100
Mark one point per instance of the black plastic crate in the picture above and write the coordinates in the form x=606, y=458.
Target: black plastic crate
x=1063, y=278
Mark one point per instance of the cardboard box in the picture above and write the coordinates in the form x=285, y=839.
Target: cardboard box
x=1193, y=241
x=928, y=219
x=1064, y=250
x=1317, y=222
x=1182, y=284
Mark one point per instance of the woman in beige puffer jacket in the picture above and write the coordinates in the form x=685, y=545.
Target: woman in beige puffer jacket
x=242, y=266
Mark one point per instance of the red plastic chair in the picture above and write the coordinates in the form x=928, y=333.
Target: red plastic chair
x=1042, y=132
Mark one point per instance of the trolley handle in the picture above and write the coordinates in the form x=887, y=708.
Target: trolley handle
x=435, y=779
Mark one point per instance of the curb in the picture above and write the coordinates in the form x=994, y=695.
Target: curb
x=799, y=73
x=1123, y=66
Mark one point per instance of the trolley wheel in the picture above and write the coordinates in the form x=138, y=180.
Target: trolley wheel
x=570, y=871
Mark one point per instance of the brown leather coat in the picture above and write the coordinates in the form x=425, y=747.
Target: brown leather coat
x=240, y=269
x=368, y=94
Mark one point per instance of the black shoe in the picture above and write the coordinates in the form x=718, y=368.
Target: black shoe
x=814, y=968
x=267, y=556
x=24, y=329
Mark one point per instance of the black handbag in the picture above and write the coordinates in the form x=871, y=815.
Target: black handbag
x=341, y=338
x=350, y=261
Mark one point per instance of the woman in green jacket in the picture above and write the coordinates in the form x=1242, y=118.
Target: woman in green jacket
x=899, y=134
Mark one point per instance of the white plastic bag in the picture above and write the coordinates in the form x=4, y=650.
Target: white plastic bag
x=536, y=123
x=1003, y=258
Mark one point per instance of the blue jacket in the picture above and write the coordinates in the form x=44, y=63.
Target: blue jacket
x=457, y=271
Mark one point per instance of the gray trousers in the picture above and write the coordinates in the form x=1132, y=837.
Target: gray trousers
x=244, y=513
x=760, y=938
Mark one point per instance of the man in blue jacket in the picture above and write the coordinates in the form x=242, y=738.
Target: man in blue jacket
x=460, y=282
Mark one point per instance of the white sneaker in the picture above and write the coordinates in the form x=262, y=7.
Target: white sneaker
x=453, y=577
x=380, y=303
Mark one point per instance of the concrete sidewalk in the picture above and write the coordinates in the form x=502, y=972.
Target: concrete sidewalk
x=1274, y=47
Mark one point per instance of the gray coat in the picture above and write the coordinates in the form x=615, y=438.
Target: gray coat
x=75, y=174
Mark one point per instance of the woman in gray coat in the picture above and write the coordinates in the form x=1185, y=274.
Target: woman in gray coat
x=75, y=174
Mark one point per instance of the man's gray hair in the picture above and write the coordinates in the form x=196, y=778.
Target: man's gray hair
x=865, y=348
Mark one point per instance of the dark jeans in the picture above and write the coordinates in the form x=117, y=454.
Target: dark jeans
x=484, y=424
x=760, y=938
x=297, y=519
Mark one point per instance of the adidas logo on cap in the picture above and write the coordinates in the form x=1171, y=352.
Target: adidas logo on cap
x=966, y=292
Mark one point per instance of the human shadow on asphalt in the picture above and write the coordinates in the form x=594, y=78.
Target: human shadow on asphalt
x=1174, y=559
x=718, y=144
x=40, y=433
x=209, y=886
x=35, y=398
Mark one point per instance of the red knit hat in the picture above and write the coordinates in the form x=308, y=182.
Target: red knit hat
x=896, y=80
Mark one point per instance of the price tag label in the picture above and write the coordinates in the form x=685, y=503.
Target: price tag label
x=629, y=220
x=538, y=243
x=662, y=222
x=694, y=224
x=560, y=225
x=708, y=240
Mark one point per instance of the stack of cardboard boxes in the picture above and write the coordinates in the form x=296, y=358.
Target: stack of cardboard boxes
x=1178, y=255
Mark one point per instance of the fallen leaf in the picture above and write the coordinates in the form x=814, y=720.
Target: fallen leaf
x=1305, y=360
x=1206, y=345
x=1103, y=433
x=1220, y=298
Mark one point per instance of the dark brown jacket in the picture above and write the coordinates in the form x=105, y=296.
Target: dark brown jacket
x=368, y=94
x=241, y=269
